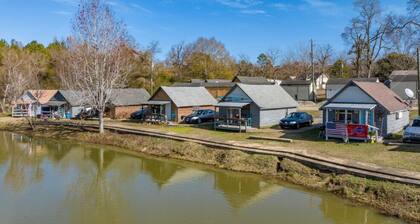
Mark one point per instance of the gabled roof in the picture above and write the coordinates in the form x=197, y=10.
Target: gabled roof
x=343, y=81
x=404, y=76
x=256, y=80
x=189, y=96
x=42, y=95
x=380, y=93
x=74, y=98
x=129, y=97
x=267, y=96
x=204, y=84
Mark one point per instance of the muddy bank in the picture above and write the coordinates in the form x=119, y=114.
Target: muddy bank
x=391, y=198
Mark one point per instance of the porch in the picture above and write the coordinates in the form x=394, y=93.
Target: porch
x=22, y=110
x=159, y=111
x=350, y=121
x=233, y=116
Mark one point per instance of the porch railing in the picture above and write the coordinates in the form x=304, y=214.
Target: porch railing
x=20, y=112
x=350, y=131
x=241, y=124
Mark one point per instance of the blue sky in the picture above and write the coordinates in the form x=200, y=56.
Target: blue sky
x=246, y=27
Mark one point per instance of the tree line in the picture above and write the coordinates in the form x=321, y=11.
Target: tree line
x=100, y=55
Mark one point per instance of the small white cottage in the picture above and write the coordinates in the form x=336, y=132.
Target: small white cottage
x=360, y=108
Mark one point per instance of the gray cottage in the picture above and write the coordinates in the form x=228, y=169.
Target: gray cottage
x=253, y=106
x=300, y=90
x=361, y=108
x=401, y=80
x=68, y=103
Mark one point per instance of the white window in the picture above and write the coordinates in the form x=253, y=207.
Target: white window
x=398, y=115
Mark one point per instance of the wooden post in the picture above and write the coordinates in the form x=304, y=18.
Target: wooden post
x=326, y=122
x=418, y=81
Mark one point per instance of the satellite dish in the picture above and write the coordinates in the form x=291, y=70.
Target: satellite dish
x=409, y=93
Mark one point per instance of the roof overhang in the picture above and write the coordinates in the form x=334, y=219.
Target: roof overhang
x=343, y=106
x=55, y=103
x=231, y=104
x=157, y=102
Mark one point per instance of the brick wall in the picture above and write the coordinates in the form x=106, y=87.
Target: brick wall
x=185, y=111
x=123, y=112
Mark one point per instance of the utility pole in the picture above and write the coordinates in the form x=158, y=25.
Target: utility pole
x=418, y=81
x=313, y=71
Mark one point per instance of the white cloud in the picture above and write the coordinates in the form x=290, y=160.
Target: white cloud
x=141, y=8
x=282, y=6
x=322, y=6
x=61, y=13
x=253, y=11
x=239, y=4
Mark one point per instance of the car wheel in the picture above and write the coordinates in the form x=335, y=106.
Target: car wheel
x=297, y=126
x=198, y=121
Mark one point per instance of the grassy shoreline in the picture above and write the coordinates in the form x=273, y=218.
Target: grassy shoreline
x=390, y=198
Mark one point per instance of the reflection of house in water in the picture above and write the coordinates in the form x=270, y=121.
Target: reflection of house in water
x=342, y=213
x=165, y=173
x=242, y=191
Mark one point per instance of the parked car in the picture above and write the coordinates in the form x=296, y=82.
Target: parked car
x=140, y=114
x=296, y=120
x=200, y=116
x=87, y=113
x=412, y=132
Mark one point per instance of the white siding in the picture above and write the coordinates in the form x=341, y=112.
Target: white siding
x=237, y=95
x=394, y=125
x=353, y=94
x=273, y=117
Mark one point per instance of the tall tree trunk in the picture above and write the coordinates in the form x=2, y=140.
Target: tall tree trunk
x=101, y=122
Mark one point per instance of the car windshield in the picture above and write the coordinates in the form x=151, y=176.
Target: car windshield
x=294, y=115
x=416, y=123
x=199, y=112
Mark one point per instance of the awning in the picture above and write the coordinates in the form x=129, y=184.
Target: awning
x=155, y=102
x=231, y=104
x=343, y=106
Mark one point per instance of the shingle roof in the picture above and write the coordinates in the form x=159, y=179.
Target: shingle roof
x=129, y=97
x=189, y=96
x=268, y=96
x=251, y=79
x=404, y=76
x=333, y=81
x=74, y=98
x=296, y=82
x=43, y=95
x=204, y=84
x=382, y=95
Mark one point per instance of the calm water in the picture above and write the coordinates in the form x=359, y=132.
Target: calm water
x=50, y=182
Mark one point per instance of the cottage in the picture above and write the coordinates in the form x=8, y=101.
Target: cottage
x=300, y=90
x=321, y=80
x=401, y=80
x=336, y=84
x=217, y=87
x=254, y=106
x=252, y=80
x=66, y=103
x=361, y=108
x=124, y=102
x=34, y=103
x=174, y=103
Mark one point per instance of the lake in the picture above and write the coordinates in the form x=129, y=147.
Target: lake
x=47, y=181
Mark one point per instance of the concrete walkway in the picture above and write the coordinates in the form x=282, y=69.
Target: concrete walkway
x=325, y=163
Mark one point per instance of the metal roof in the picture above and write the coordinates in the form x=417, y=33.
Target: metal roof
x=350, y=106
x=74, y=98
x=251, y=80
x=343, y=81
x=231, y=104
x=189, y=96
x=129, y=97
x=268, y=96
x=296, y=82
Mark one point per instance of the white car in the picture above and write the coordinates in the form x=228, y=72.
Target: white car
x=412, y=132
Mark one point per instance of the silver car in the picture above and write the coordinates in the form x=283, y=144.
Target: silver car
x=412, y=132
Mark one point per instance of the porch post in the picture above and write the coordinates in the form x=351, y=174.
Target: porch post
x=345, y=116
x=326, y=122
x=367, y=117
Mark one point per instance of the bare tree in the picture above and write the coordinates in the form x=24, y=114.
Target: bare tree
x=323, y=57
x=19, y=72
x=368, y=29
x=177, y=58
x=99, y=55
x=151, y=52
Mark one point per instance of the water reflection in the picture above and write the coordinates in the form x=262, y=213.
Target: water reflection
x=79, y=183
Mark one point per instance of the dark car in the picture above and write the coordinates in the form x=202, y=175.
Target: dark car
x=296, y=120
x=200, y=116
x=140, y=115
x=87, y=113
